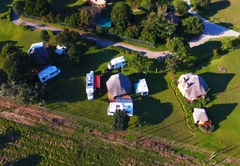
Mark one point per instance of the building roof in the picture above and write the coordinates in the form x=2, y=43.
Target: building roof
x=141, y=86
x=118, y=85
x=40, y=54
x=192, y=86
x=199, y=115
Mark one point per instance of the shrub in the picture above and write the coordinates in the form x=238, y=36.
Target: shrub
x=120, y=120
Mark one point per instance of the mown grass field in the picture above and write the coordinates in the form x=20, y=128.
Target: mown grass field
x=160, y=113
x=225, y=13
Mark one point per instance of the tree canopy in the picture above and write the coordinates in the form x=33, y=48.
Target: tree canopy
x=18, y=7
x=139, y=62
x=179, y=47
x=67, y=37
x=44, y=35
x=121, y=14
x=120, y=120
x=37, y=8
x=85, y=18
x=181, y=7
x=202, y=3
x=192, y=25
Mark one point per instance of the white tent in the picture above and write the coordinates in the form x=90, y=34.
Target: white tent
x=200, y=116
x=192, y=86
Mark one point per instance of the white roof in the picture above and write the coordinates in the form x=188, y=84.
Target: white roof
x=142, y=86
x=48, y=73
x=37, y=45
x=200, y=115
x=117, y=60
x=90, y=82
x=60, y=49
x=122, y=104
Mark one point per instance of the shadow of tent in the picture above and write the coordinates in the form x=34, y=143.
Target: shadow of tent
x=34, y=159
x=217, y=82
x=151, y=111
x=218, y=113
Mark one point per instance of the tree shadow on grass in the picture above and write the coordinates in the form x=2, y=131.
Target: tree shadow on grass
x=217, y=82
x=218, y=113
x=3, y=43
x=214, y=8
x=32, y=160
x=151, y=111
x=10, y=136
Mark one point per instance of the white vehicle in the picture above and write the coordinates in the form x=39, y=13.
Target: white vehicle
x=116, y=63
x=141, y=87
x=90, y=85
x=60, y=50
x=48, y=73
x=121, y=104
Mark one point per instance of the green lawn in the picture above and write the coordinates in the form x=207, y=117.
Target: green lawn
x=225, y=13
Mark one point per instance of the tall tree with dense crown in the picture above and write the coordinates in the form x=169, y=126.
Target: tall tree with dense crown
x=120, y=120
x=121, y=14
x=18, y=7
x=67, y=37
x=202, y=3
x=44, y=35
x=85, y=18
x=181, y=7
x=192, y=25
x=42, y=8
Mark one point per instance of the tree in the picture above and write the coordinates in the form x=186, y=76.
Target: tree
x=147, y=5
x=44, y=35
x=8, y=49
x=42, y=8
x=181, y=7
x=132, y=32
x=29, y=8
x=121, y=14
x=171, y=64
x=202, y=3
x=120, y=120
x=67, y=37
x=226, y=44
x=18, y=7
x=75, y=55
x=18, y=66
x=85, y=18
x=192, y=25
x=139, y=62
x=72, y=21
x=179, y=47
x=156, y=27
x=58, y=18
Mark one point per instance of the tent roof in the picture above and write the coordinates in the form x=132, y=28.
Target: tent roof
x=192, y=86
x=41, y=55
x=200, y=115
x=118, y=85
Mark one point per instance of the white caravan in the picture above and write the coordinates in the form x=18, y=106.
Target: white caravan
x=116, y=63
x=48, y=73
x=90, y=85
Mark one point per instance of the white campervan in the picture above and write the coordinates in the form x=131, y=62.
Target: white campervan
x=117, y=63
x=90, y=85
x=48, y=73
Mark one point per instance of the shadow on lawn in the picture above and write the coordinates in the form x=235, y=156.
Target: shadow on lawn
x=217, y=82
x=34, y=159
x=151, y=111
x=10, y=136
x=219, y=112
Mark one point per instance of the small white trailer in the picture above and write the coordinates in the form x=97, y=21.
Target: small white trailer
x=116, y=63
x=90, y=85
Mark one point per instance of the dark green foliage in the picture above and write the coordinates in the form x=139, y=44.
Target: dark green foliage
x=75, y=54
x=121, y=15
x=72, y=21
x=181, y=7
x=44, y=35
x=171, y=64
x=19, y=65
x=179, y=47
x=147, y=5
x=132, y=32
x=85, y=18
x=8, y=49
x=29, y=7
x=24, y=93
x=156, y=27
x=58, y=18
x=100, y=31
x=202, y=3
x=192, y=25
x=37, y=8
x=120, y=120
x=227, y=44
x=18, y=7
x=139, y=62
x=67, y=37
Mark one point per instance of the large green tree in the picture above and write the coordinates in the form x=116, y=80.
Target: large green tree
x=156, y=27
x=67, y=37
x=72, y=21
x=139, y=62
x=121, y=14
x=19, y=66
x=8, y=49
x=192, y=25
x=120, y=120
x=85, y=18
x=42, y=8
x=75, y=55
x=29, y=8
x=44, y=35
x=202, y=3
x=148, y=5
x=181, y=7
x=178, y=47
x=18, y=7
